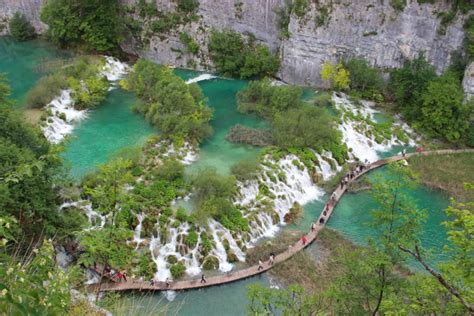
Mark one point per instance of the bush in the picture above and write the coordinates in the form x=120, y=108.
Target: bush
x=266, y=99
x=245, y=170
x=191, y=239
x=188, y=6
x=304, y=127
x=177, y=270
x=176, y=108
x=170, y=170
x=247, y=135
x=233, y=56
x=94, y=24
x=45, y=90
x=209, y=184
x=191, y=45
x=20, y=28
x=364, y=78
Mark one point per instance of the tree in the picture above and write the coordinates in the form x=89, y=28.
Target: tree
x=364, y=78
x=233, y=56
x=454, y=276
x=108, y=191
x=20, y=28
x=303, y=127
x=408, y=83
x=94, y=24
x=336, y=76
x=443, y=112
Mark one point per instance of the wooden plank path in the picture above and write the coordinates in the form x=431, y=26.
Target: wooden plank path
x=232, y=276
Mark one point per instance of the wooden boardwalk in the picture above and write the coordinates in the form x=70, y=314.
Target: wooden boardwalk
x=232, y=276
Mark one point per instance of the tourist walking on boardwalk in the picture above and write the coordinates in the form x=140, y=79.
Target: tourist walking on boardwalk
x=260, y=265
x=203, y=279
x=321, y=220
x=404, y=152
x=168, y=282
x=333, y=197
x=313, y=227
x=152, y=282
x=272, y=259
x=304, y=240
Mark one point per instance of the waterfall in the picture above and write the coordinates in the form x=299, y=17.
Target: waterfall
x=219, y=250
x=113, y=69
x=200, y=78
x=186, y=154
x=358, y=135
x=138, y=230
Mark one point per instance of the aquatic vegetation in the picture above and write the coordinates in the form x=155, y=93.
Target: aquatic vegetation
x=252, y=136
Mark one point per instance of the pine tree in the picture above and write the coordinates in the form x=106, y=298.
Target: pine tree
x=20, y=28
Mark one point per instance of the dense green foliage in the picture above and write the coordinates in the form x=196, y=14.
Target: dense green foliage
x=20, y=28
x=245, y=170
x=177, y=109
x=335, y=75
x=365, y=79
x=266, y=99
x=295, y=124
x=307, y=126
x=191, y=45
x=247, y=135
x=80, y=76
x=234, y=56
x=372, y=280
x=95, y=25
x=434, y=104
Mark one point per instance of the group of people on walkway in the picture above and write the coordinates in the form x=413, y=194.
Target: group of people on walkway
x=271, y=261
x=114, y=275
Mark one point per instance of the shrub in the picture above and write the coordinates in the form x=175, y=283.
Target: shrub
x=170, y=170
x=188, y=6
x=177, y=270
x=20, y=28
x=211, y=263
x=364, y=78
x=209, y=184
x=233, y=56
x=45, y=90
x=245, y=170
x=191, y=239
x=247, y=135
x=191, y=45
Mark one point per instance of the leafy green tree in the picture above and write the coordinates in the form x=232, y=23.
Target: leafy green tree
x=233, y=56
x=93, y=24
x=408, y=83
x=20, y=28
x=266, y=99
x=108, y=191
x=443, y=112
x=336, y=76
x=260, y=62
x=303, y=127
x=364, y=78
x=209, y=184
x=176, y=108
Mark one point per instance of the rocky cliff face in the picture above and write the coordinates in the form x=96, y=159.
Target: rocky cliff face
x=30, y=8
x=329, y=30
x=371, y=29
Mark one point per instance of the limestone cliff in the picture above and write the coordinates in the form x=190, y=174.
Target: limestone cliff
x=30, y=8
x=328, y=30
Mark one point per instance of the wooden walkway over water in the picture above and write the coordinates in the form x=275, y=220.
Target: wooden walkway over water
x=232, y=276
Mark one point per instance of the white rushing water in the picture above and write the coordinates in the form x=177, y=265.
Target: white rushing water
x=202, y=77
x=186, y=154
x=64, y=116
x=357, y=134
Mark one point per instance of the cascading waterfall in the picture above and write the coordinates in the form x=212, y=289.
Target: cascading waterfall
x=138, y=230
x=363, y=147
x=64, y=116
x=186, y=154
x=95, y=219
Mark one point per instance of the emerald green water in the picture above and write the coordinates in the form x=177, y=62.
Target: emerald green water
x=21, y=63
x=109, y=127
x=112, y=126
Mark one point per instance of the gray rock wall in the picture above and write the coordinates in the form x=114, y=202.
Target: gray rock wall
x=468, y=81
x=30, y=8
x=369, y=29
x=366, y=28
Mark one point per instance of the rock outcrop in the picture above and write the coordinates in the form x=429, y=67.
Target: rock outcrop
x=329, y=30
x=468, y=81
x=30, y=8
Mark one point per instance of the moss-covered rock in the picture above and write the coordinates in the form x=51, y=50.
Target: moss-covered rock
x=210, y=263
x=177, y=270
x=231, y=256
x=171, y=259
x=226, y=245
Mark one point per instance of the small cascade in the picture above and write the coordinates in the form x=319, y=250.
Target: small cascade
x=95, y=219
x=200, y=78
x=138, y=230
x=219, y=250
x=325, y=169
x=113, y=69
x=186, y=154
x=63, y=117
x=358, y=135
x=262, y=227
x=194, y=267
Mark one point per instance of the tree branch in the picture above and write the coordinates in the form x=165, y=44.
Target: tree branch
x=416, y=254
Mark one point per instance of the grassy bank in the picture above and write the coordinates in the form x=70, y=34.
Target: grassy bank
x=446, y=172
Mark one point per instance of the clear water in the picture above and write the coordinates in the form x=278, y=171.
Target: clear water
x=113, y=126
x=110, y=127
x=21, y=63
